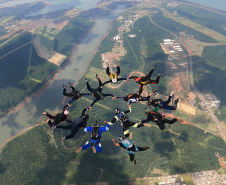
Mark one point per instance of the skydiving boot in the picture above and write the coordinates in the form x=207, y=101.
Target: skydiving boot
x=134, y=161
x=97, y=76
x=94, y=149
x=159, y=75
x=146, y=147
x=176, y=100
x=86, y=79
x=154, y=68
x=64, y=86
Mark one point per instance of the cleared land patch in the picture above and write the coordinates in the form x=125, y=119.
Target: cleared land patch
x=211, y=33
x=198, y=46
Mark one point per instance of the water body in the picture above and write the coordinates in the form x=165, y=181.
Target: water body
x=217, y=4
x=56, y=5
x=51, y=99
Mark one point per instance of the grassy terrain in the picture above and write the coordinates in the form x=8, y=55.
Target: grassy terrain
x=206, y=18
x=177, y=150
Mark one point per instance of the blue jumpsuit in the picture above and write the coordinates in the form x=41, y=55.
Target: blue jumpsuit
x=97, y=147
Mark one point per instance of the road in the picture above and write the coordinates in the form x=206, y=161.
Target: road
x=200, y=95
x=196, y=91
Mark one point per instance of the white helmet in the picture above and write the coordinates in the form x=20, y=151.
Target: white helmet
x=114, y=80
x=66, y=112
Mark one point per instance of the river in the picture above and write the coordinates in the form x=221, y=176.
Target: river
x=55, y=5
x=51, y=99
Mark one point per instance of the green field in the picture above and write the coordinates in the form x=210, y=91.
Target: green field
x=176, y=150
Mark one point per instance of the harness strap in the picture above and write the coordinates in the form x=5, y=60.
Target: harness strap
x=94, y=144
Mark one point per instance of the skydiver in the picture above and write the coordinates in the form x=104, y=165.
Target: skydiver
x=133, y=98
x=59, y=117
x=125, y=122
x=74, y=94
x=94, y=141
x=97, y=93
x=78, y=123
x=164, y=104
x=143, y=81
x=159, y=119
x=130, y=147
x=113, y=76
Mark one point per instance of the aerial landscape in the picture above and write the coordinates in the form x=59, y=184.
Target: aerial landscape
x=129, y=75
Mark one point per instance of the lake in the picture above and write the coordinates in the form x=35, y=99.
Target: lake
x=51, y=99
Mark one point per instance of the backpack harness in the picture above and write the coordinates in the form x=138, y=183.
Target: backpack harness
x=128, y=144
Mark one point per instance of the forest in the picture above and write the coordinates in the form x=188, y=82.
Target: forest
x=207, y=18
x=170, y=152
x=209, y=74
x=176, y=28
x=24, y=72
x=72, y=34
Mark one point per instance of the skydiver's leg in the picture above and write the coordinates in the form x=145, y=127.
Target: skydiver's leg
x=98, y=148
x=148, y=76
x=88, y=87
x=50, y=123
x=170, y=121
x=156, y=81
x=73, y=132
x=132, y=124
x=49, y=116
x=100, y=83
x=141, y=148
x=66, y=94
x=85, y=94
x=86, y=146
x=161, y=125
x=65, y=127
x=131, y=156
x=167, y=101
x=118, y=70
x=126, y=132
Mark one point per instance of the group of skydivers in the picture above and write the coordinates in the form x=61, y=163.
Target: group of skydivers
x=121, y=117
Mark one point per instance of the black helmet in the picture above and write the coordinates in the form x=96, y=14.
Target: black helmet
x=116, y=111
x=97, y=124
x=86, y=117
x=120, y=138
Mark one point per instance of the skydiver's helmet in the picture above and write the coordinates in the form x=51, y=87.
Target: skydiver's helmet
x=120, y=138
x=147, y=110
x=97, y=124
x=117, y=111
x=66, y=112
x=86, y=117
x=114, y=80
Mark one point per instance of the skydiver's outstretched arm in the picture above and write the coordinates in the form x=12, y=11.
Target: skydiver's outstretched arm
x=114, y=119
x=116, y=144
x=127, y=111
x=133, y=77
x=106, y=82
x=84, y=111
